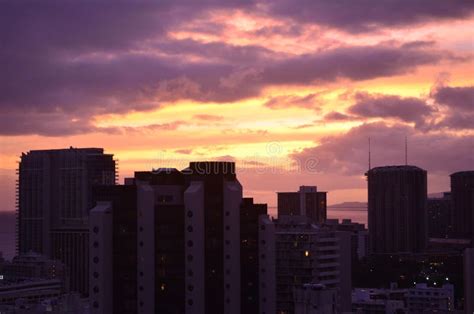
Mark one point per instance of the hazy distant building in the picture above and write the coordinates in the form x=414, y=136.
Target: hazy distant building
x=188, y=242
x=397, y=209
x=306, y=202
x=294, y=252
x=469, y=280
x=249, y=259
x=462, y=193
x=439, y=216
x=54, y=199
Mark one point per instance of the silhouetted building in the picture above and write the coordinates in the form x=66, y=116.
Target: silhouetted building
x=359, y=236
x=187, y=242
x=462, y=193
x=54, y=199
x=113, y=250
x=249, y=261
x=397, y=209
x=306, y=202
x=469, y=280
x=439, y=216
x=294, y=252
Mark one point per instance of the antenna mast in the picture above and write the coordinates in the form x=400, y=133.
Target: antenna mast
x=369, y=156
x=406, y=151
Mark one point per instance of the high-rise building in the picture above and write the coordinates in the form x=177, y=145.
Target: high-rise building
x=462, y=194
x=306, y=202
x=397, y=209
x=249, y=260
x=294, y=252
x=187, y=249
x=469, y=280
x=54, y=199
x=439, y=211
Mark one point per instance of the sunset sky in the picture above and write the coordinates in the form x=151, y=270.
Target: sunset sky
x=290, y=90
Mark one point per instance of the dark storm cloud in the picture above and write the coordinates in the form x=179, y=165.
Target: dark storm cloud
x=348, y=153
x=407, y=109
x=367, y=15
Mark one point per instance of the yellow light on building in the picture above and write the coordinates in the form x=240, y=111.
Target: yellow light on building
x=306, y=253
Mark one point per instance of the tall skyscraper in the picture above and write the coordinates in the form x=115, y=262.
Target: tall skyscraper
x=462, y=194
x=54, y=199
x=397, y=209
x=187, y=248
x=295, y=252
x=306, y=202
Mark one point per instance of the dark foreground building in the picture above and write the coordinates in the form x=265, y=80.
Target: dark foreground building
x=462, y=193
x=249, y=259
x=439, y=216
x=54, y=199
x=397, y=209
x=174, y=239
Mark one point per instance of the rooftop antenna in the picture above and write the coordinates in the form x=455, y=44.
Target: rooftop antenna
x=369, y=156
x=406, y=151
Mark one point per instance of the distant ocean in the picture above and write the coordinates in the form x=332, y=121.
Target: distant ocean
x=356, y=214
x=7, y=225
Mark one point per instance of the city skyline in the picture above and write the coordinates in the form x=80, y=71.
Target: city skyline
x=264, y=83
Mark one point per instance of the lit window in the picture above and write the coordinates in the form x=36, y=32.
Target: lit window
x=306, y=253
x=163, y=286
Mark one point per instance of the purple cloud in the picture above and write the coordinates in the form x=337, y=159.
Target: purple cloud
x=368, y=15
x=68, y=61
x=338, y=116
x=458, y=103
x=457, y=98
x=348, y=153
x=407, y=109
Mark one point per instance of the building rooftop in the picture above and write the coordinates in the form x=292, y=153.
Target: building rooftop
x=85, y=149
x=468, y=173
x=396, y=168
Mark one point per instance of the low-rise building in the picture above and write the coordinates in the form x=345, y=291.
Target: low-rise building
x=315, y=299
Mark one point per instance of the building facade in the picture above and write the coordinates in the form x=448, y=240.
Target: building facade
x=397, y=209
x=306, y=202
x=54, y=199
x=439, y=216
x=249, y=259
x=188, y=242
x=469, y=280
x=416, y=300
x=462, y=193
x=295, y=252
x=315, y=299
